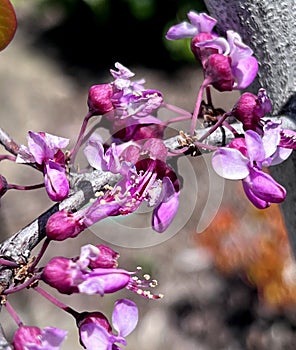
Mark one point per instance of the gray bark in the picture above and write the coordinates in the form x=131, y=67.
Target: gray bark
x=268, y=27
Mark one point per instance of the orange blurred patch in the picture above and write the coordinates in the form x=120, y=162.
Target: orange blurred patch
x=253, y=244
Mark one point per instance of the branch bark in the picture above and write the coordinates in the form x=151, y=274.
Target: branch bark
x=268, y=27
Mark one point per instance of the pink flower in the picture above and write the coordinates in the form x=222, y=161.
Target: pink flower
x=90, y=274
x=34, y=338
x=96, y=332
x=45, y=150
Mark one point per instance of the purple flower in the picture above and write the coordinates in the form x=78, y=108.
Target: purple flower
x=34, y=338
x=96, y=332
x=150, y=180
x=90, y=274
x=45, y=150
x=228, y=64
x=241, y=67
x=244, y=159
x=199, y=23
x=251, y=108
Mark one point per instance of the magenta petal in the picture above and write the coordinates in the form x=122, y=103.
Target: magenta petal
x=259, y=203
x=56, y=182
x=38, y=147
x=92, y=285
x=245, y=72
x=112, y=279
x=202, y=21
x=164, y=213
x=230, y=164
x=125, y=317
x=94, y=152
x=181, y=31
x=265, y=187
x=95, y=337
x=254, y=145
x=52, y=338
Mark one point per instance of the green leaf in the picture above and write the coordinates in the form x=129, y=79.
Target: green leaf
x=8, y=23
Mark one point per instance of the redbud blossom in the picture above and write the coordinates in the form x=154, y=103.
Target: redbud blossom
x=81, y=275
x=45, y=150
x=99, y=99
x=96, y=332
x=244, y=161
x=62, y=225
x=251, y=108
x=34, y=338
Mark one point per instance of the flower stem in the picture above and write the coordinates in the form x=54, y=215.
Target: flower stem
x=40, y=254
x=7, y=157
x=214, y=127
x=56, y=302
x=29, y=187
x=205, y=83
x=13, y=313
x=5, y=262
x=74, y=151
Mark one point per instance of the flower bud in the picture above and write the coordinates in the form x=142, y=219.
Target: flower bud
x=218, y=70
x=94, y=317
x=26, y=335
x=99, y=98
x=57, y=273
x=62, y=225
x=245, y=110
x=107, y=258
x=202, y=53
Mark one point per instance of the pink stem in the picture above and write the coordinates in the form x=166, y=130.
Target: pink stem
x=22, y=286
x=75, y=149
x=176, y=109
x=40, y=254
x=13, y=314
x=19, y=187
x=56, y=302
x=5, y=262
x=214, y=127
x=205, y=83
x=7, y=157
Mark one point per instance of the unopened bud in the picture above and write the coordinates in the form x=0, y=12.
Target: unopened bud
x=62, y=225
x=57, y=274
x=99, y=99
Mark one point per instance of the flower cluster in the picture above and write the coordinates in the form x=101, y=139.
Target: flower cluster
x=95, y=271
x=139, y=159
x=228, y=64
x=45, y=150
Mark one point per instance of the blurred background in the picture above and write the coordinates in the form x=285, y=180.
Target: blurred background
x=228, y=286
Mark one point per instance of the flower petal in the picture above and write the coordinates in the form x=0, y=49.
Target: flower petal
x=52, y=338
x=255, y=147
x=265, y=187
x=125, y=317
x=245, y=72
x=181, y=31
x=94, y=152
x=259, y=203
x=95, y=337
x=230, y=164
x=164, y=214
x=56, y=182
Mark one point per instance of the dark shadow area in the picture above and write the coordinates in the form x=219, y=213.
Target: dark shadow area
x=92, y=43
